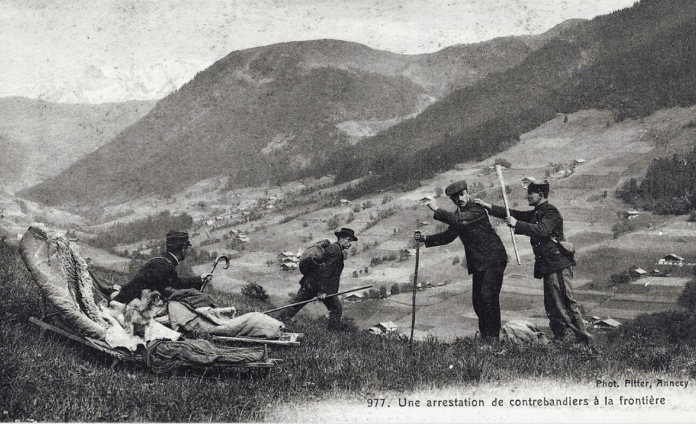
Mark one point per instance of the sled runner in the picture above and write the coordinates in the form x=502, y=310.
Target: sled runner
x=286, y=339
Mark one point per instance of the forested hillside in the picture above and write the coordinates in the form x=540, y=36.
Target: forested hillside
x=669, y=187
x=611, y=62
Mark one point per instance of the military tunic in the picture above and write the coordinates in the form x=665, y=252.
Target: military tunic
x=544, y=226
x=157, y=274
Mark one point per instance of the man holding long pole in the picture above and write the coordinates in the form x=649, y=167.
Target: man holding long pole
x=485, y=254
x=544, y=226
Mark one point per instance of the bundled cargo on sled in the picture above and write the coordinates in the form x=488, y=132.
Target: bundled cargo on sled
x=74, y=307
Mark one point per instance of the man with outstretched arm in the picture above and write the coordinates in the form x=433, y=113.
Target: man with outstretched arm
x=486, y=257
x=544, y=226
x=322, y=278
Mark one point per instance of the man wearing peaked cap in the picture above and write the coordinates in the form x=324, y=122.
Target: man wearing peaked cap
x=159, y=274
x=486, y=258
x=544, y=226
x=456, y=188
x=176, y=240
x=322, y=277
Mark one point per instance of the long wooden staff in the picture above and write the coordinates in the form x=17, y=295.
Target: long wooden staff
x=413, y=303
x=304, y=302
x=499, y=172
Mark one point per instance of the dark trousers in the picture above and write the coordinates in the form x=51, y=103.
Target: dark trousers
x=561, y=308
x=485, y=296
x=333, y=304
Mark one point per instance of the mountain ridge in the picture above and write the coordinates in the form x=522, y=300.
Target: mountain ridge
x=264, y=115
x=40, y=139
x=255, y=99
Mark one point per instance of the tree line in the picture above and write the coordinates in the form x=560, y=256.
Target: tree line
x=152, y=227
x=669, y=186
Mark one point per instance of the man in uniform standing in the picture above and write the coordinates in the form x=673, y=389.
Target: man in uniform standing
x=322, y=278
x=486, y=257
x=159, y=274
x=544, y=226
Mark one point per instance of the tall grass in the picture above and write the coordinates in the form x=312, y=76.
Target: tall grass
x=48, y=378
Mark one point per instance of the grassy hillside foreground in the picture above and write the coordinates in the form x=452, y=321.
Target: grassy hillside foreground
x=51, y=379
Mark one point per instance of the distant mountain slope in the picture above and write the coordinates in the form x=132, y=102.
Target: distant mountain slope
x=271, y=113
x=285, y=111
x=38, y=140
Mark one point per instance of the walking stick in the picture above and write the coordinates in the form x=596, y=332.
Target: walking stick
x=316, y=299
x=227, y=265
x=415, y=281
x=499, y=171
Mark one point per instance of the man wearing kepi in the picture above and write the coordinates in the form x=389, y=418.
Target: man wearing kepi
x=486, y=258
x=322, y=278
x=159, y=274
x=544, y=226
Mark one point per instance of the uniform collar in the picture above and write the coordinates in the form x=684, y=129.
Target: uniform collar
x=171, y=259
x=542, y=206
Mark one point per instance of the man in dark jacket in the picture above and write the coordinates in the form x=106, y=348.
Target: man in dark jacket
x=486, y=258
x=322, y=278
x=544, y=226
x=160, y=273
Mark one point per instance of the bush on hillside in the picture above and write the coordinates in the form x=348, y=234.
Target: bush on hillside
x=688, y=297
x=659, y=329
x=503, y=163
x=256, y=292
x=623, y=227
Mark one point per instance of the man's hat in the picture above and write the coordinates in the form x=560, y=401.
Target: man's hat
x=455, y=188
x=345, y=232
x=542, y=187
x=177, y=239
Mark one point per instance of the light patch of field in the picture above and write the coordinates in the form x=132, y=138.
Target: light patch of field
x=389, y=275
x=626, y=314
x=102, y=258
x=625, y=306
x=662, y=282
x=551, y=143
x=669, y=232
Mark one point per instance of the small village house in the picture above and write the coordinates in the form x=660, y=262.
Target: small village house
x=671, y=259
x=354, y=297
x=387, y=326
x=606, y=324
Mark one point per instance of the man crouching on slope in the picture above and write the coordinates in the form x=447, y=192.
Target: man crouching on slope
x=486, y=258
x=544, y=226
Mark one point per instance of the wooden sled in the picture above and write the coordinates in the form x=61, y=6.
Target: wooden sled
x=54, y=267
x=286, y=339
x=59, y=327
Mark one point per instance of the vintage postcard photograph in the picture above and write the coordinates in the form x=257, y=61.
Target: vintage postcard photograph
x=357, y=212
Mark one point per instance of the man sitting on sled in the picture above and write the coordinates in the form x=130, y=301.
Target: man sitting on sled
x=188, y=308
x=159, y=274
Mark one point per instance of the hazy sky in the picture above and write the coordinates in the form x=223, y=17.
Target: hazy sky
x=139, y=45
